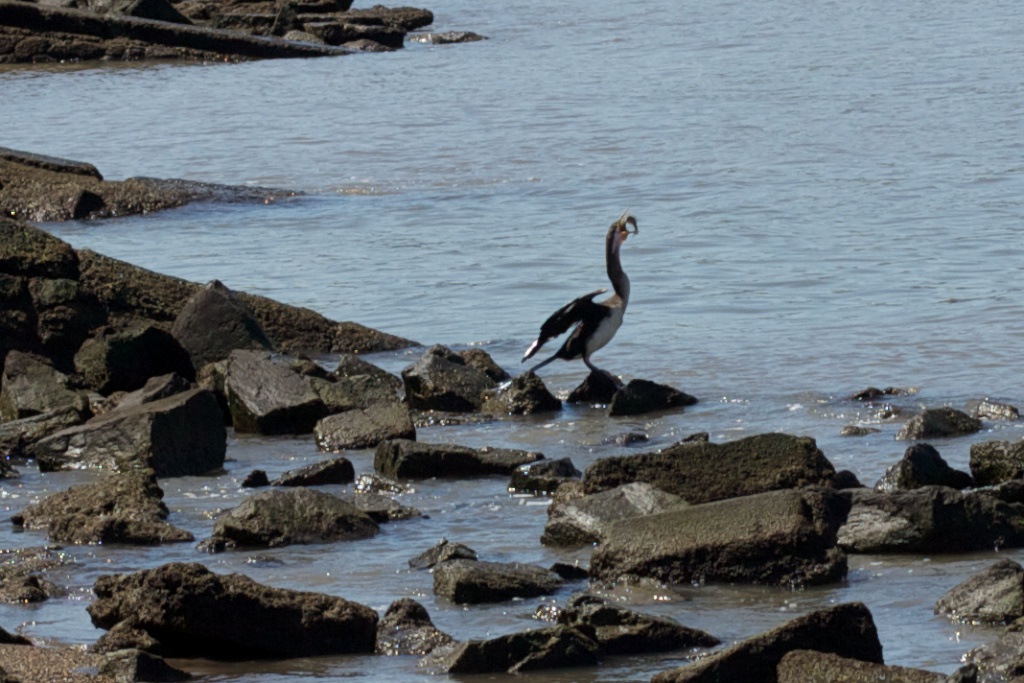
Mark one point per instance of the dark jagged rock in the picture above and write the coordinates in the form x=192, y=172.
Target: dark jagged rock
x=405, y=459
x=444, y=551
x=364, y=427
x=994, y=462
x=937, y=423
x=122, y=360
x=193, y=612
x=334, y=471
x=582, y=521
x=341, y=394
x=351, y=365
x=176, y=436
x=809, y=666
x=406, y=629
x=213, y=323
x=344, y=33
x=482, y=361
x=122, y=508
x=847, y=630
x=155, y=389
x=922, y=466
x=138, y=665
x=548, y=648
x=874, y=393
x=845, y=479
x=8, y=638
x=622, y=631
x=23, y=574
x=597, y=388
x=778, y=538
x=442, y=380
x=279, y=517
x=268, y=397
x=643, y=396
x=473, y=582
x=543, y=477
x=934, y=519
x=701, y=472
x=255, y=479
x=32, y=386
x=994, y=596
x=524, y=395
x=124, y=636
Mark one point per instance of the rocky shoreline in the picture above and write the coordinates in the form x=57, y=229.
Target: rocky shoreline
x=110, y=367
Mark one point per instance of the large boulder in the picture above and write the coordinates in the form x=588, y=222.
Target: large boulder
x=993, y=462
x=213, y=323
x=364, y=427
x=701, y=472
x=406, y=629
x=810, y=666
x=934, y=519
x=404, y=459
x=474, y=582
x=180, y=435
x=935, y=423
x=546, y=648
x=524, y=395
x=443, y=380
x=268, y=396
x=641, y=396
x=583, y=521
x=121, y=508
x=193, y=612
x=922, y=466
x=122, y=360
x=783, y=538
x=847, y=630
x=279, y=517
x=994, y=596
x=30, y=386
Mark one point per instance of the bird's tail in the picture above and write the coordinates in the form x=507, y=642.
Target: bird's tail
x=533, y=348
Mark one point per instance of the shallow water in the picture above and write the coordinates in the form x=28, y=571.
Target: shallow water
x=829, y=196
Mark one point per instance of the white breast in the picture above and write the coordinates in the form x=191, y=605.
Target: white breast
x=605, y=330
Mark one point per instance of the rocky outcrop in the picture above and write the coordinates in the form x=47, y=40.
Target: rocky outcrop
x=847, y=630
x=213, y=323
x=364, y=427
x=995, y=462
x=922, y=466
x=193, y=612
x=935, y=423
x=122, y=508
x=406, y=629
x=335, y=471
x=403, y=459
x=810, y=666
x=280, y=517
x=176, y=436
x=543, y=477
x=443, y=380
x=547, y=648
x=783, y=538
x=993, y=596
x=585, y=520
x=524, y=395
x=701, y=472
x=469, y=582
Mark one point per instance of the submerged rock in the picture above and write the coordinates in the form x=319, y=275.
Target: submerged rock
x=23, y=574
x=585, y=520
x=474, y=582
x=444, y=551
x=994, y=596
x=193, y=612
x=543, y=477
x=405, y=459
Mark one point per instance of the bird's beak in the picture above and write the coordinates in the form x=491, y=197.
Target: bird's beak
x=624, y=224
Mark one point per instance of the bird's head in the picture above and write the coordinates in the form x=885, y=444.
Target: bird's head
x=619, y=230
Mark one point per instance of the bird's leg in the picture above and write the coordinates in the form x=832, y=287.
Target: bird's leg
x=614, y=380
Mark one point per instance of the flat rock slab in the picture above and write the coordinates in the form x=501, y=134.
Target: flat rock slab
x=994, y=596
x=582, y=521
x=701, y=472
x=335, y=471
x=808, y=666
x=404, y=459
x=194, y=612
x=177, y=436
x=17, y=435
x=470, y=582
x=364, y=427
x=547, y=648
x=268, y=396
x=847, y=630
x=777, y=538
x=939, y=422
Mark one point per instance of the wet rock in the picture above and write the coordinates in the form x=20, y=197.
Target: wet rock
x=809, y=666
x=444, y=551
x=451, y=37
x=124, y=636
x=335, y=471
x=986, y=409
x=344, y=33
x=874, y=393
x=121, y=508
x=643, y=396
x=482, y=361
x=364, y=427
x=8, y=638
x=374, y=483
x=213, y=323
x=571, y=572
x=597, y=388
x=351, y=365
x=32, y=386
x=524, y=395
x=16, y=436
x=857, y=430
x=700, y=472
x=628, y=439
x=998, y=661
x=23, y=574
x=922, y=466
x=340, y=394
x=783, y=538
x=382, y=509
x=474, y=582
x=28, y=251
x=547, y=648
x=255, y=479
x=157, y=10
x=279, y=517
x=624, y=632
x=177, y=436
x=268, y=397
x=543, y=477
x=442, y=380
x=937, y=423
x=137, y=665
x=403, y=459
x=934, y=519
x=196, y=613
x=994, y=462
x=994, y=596
x=847, y=630
x=845, y=479
x=406, y=629
x=582, y=521
x=155, y=389
x=122, y=360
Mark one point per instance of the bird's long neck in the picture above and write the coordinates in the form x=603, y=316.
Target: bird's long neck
x=620, y=281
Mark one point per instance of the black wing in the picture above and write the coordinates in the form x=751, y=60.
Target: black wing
x=564, y=318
